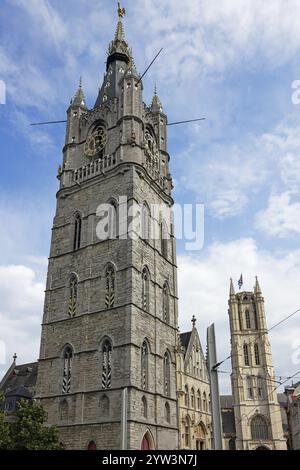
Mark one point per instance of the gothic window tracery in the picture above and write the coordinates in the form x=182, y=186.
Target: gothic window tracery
x=167, y=374
x=204, y=402
x=187, y=432
x=256, y=354
x=164, y=235
x=192, y=398
x=151, y=149
x=260, y=387
x=186, y=396
x=68, y=358
x=246, y=355
x=248, y=323
x=259, y=428
x=145, y=289
x=198, y=400
x=249, y=387
x=77, y=232
x=73, y=292
x=166, y=303
x=106, y=364
x=144, y=365
x=109, y=287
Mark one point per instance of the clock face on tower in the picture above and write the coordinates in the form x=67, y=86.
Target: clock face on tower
x=95, y=142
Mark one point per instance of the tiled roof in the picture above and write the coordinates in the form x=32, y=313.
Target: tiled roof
x=185, y=339
x=23, y=375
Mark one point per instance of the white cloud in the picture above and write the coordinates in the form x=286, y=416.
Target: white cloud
x=21, y=306
x=281, y=218
x=204, y=288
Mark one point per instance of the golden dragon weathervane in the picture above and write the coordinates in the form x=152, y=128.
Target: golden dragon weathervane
x=121, y=10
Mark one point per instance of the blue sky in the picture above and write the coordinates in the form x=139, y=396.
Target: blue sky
x=232, y=61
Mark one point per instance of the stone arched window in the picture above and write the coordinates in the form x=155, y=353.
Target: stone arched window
x=198, y=400
x=164, y=235
x=144, y=407
x=192, y=398
x=77, y=232
x=187, y=432
x=104, y=406
x=259, y=428
x=204, y=402
x=246, y=355
x=113, y=216
x=145, y=289
x=186, y=396
x=249, y=387
x=144, y=365
x=209, y=404
x=256, y=354
x=260, y=387
x=73, y=296
x=166, y=303
x=106, y=364
x=110, y=276
x=145, y=222
x=247, y=317
x=67, y=372
x=167, y=413
x=167, y=374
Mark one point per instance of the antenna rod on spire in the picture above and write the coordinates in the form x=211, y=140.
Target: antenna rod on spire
x=149, y=66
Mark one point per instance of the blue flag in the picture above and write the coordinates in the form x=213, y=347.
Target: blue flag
x=240, y=282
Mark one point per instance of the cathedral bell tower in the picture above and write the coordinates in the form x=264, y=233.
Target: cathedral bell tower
x=106, y=370
x=256, y=409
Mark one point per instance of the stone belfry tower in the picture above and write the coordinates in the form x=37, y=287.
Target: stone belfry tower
x=107, y=359
x=256, y=409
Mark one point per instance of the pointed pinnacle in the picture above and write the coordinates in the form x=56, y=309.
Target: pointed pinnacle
x=79, y=99
x=232, y=291
x=257, y=288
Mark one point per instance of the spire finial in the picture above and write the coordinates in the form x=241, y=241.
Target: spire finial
x=194, y=319
x=156, y=105
x=232, y=291
x=79, y=99
x=257, y=288
x=121, y=11
x=15, y=358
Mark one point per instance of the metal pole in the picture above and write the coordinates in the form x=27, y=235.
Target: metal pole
x=214, y=388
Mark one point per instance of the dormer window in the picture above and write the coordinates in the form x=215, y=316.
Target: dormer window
x=128, y=85
x=75, y=114
x=104, y=98
x=121, y=69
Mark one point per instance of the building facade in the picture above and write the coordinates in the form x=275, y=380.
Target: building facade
x=107, y=359
x=193, y=392
x=293, y=415
x=257, y=412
